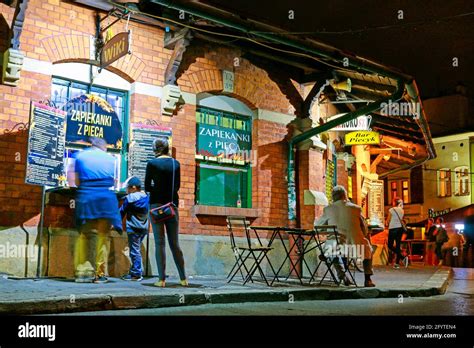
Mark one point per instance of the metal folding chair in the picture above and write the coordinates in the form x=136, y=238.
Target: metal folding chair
x=255, y=253
x=348, y=263
x=320, y=231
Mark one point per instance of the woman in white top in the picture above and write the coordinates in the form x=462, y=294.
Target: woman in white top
x=395, y=231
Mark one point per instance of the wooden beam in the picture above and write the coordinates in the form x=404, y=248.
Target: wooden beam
x=408, y=146
x=394, y=121
x=375, y=162
x=382, y=151
x=179, y=47
x=405, y=135
x=17, y=24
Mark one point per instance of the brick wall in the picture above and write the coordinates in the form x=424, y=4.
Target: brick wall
x=19, y=202
x=55, y=31
x=311, y=177
x=269, y=177
x=342, y=173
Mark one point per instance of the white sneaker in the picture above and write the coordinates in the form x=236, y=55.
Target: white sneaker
x=406, y=261
x=396, y=266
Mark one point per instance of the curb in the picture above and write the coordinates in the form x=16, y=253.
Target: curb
x=436, y=285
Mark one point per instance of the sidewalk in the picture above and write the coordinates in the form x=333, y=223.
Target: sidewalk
x=31, y=296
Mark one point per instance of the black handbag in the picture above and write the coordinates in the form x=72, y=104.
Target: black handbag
x=166, y=211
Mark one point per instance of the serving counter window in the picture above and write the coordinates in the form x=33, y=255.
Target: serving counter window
x=93, y=111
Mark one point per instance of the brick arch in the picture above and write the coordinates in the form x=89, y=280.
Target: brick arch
x=75, y=48
x=201, y=68
x=210, y=81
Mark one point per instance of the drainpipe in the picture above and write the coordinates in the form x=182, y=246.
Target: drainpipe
x=325, y=127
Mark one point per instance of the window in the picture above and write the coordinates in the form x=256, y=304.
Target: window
x=63, y=90
x=444, y=182
x=400, y=189
x=393, y=190
x=461, y=182
x=223, y=145
x=405, y=191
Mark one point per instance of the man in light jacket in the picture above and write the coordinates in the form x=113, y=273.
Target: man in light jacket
x=353, y=230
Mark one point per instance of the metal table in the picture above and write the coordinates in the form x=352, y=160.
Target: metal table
x=303, y=245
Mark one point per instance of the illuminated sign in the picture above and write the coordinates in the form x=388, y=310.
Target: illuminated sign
x=91, y=116
x=45, y=165
x=359, y=123
x=362, y=138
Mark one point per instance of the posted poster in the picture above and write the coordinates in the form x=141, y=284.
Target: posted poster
x=88, y=116
x=376, y=202
x=141, y=147
x=45, y=158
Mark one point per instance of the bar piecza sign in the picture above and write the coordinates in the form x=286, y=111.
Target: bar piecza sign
x=362, y=138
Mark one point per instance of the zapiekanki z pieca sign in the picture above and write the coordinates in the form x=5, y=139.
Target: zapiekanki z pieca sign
x=88, y=116
x=221, y=141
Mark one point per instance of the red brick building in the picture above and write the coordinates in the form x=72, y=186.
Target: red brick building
x=57, y=39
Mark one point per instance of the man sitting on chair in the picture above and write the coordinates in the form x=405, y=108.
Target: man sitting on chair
x=352, y=230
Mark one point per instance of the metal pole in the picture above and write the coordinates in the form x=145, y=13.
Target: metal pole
x=147, y=252
x=40, y=239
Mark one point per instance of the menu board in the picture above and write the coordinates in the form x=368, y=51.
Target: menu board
x=376, y=202
x=141, y=147
x=45, y=159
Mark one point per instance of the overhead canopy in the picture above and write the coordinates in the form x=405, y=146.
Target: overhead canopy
x=406, y=140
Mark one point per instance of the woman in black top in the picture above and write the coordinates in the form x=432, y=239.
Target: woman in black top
x=159, y=183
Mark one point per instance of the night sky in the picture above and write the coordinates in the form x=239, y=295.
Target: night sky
x=422, y=44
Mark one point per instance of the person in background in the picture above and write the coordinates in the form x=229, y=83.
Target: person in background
x=441, y=238
x=453, y=249
x=96, y=210
x=135, y=209
x=352, y=228
x=431, y=242
x=159, y=183
x=395, y=232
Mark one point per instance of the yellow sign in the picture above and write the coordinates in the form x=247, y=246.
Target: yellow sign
x=362, y=138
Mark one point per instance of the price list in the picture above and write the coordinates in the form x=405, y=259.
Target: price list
x=141, y=148
x=45, y=160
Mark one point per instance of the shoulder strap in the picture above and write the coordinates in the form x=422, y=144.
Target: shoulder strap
x=172, y=185
x=395, y=210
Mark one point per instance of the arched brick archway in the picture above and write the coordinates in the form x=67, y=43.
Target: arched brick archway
x=201, y=70
x=210, y=81
x=73, y=48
